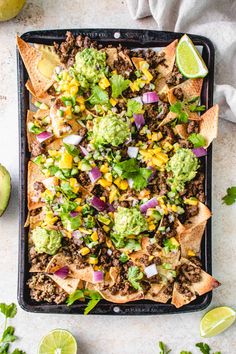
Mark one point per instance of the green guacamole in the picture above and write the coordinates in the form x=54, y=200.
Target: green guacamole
x=183, y=165
x=90, y=65
x=110, y=129
x=46, y=241
x=129, y=222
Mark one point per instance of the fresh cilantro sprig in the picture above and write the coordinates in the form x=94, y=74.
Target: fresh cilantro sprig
x=197, y=140
x=134, y=277
x=118, y=85
x=230, y=197
x=179, y=109
x=163, y=348
x=196, y=108
x=133, y=107
x=130, y=169
x=93, y=296
x=8, y=336
x=98, y=96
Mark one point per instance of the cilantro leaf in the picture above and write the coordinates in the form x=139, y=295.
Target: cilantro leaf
x=197, y=140
x=163, y=348
x=99, y=96
x=178, y=108
x=32, y=128
x=8, y=335
x=184, y=352
x=195, y=108
x=134, y=276
x=132, y=245
x=123, y=258
x=18, y=351
x=230, y=197
x=76, y=295
x=204, y=348
x=8, y=310
x=130, y=169
x=133, y=107
x=118, y=85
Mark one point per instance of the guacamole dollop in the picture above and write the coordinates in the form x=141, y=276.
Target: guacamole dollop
x=129, y=222
x=90, y=65
x=110, y=129
x=46, y=241
x=183, y=165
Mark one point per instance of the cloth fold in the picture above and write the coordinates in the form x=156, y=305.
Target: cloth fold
x=215, y=19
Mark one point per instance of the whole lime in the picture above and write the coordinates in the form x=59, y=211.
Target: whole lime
x=10, y=8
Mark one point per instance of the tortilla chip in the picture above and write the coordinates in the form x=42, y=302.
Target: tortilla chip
x=191, y=88
x=58, y=261
x=31, y=58
x=112, y=56
x=55, y=145
x=157, y=293
x=34, y=174
x=68, y=284
x=36, y=220
x=165, y=70
x=125, y=57
x=118, y=298
x=203, y=215
x=171, y=258
x=162, y=89
x=136, y=61
x=181, y=130
x=169, y=118
x=209, y=124
x=190, y=240
x=45, y=98
x=85, y=274
x=179, y=299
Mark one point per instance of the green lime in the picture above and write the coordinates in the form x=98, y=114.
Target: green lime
x=216, y=321
x=188, y=59
x=58, y=341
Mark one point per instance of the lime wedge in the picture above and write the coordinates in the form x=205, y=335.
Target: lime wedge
x=217, y=321
x=58, y=341
x=188, y=59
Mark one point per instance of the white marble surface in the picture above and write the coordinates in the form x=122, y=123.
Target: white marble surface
x=103, y=335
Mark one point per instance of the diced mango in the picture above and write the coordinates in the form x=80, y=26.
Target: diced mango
x=123, y=185
x=80, y=99
x=191, y=201
x=104, y=83
x=113, y=194
x=93, y=260
x=152, y=227
x=94, y=236
x=108, y=176
x=66, y=160
x=104, y=183
x=84, y=251
x=113, y=102
x=106, y=228
x=104, y=168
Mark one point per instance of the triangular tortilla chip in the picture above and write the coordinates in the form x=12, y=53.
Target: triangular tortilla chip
x=68, y=284
x=171, y=258
x=125, y=57
x=162, y=89
x=31, y=58
x=191, y=88
x=169, y=118
x=203, y=215
x=157, y=293
x=166, y=69
x=112, y=56
x=181, y=130
x=118, y=298
x=45, y=98
x=34, y=175
x=209, y=124
x=190, y=239
x=36, y=220
x=179, y=299
x=58, y=261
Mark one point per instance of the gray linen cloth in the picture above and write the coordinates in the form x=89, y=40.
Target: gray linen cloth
x=215, y=19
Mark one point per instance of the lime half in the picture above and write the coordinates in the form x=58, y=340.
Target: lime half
x=188, y=59
x=58, y=341
x=217, y=321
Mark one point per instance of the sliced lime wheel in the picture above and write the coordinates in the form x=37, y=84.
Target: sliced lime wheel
x=216, y=321
x=58, y=341
x=188, y=59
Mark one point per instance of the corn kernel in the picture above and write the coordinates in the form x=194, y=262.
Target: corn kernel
x=79, y=208
x=94, y=236
x=74, y=184
x=117, y=181
x=78, y=200
x=103, y=199
x=104, y=168
x=82, y=107
x=113, y=102
x=113, y=194
x=114, y=72
x=104, y=83
x=68, y=234
x=190, y=201
x=66, y=160
x=73, y=90
x=191, y=253
x=53, y=153
x=104, y=183
x=174, y=208
x=106, y=228
x=108, y=176
x=152, y=227
x=84, y=251
x=93, y=260
x=124, y=185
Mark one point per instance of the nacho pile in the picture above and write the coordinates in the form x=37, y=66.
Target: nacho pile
x=115, y=180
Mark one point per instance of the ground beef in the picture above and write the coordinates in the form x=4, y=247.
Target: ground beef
x=169, y=289
x=39, y=260
x=101, y=235
x=175, y=78
x=186, y=144
x=196, y=261
x=167, y=131
x=195, y=188
x=42, y=288
x=84, y=179
x=35, y=212
x=184, y=290
x=193, y=127
x=193, y=273
x=37, y=148
x=82, y=131
x=178, y=93
x=161, y=183
x=150, y=116
x=191, y=210
x=39, y=186
x=68, y=49
x=145, y=260
x=72, y=252
x=152, y=248
x=164, y=111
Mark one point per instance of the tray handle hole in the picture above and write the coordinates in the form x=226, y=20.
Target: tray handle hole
x=116, y=309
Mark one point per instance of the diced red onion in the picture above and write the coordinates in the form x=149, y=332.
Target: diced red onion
x=139, y=120
x=83, y=150
x=110, y=207
x=76, y=234
x=98, y=204
x=151, y=270
x=150, y=97
x=152, y=203
x=98, y=276
x=43, y=136
x=73, y=214
x=132, y=151
x=62, y=272
x=199, y=152
x=138, y=99
x=72, y=139
x=95, y=174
